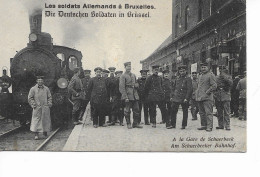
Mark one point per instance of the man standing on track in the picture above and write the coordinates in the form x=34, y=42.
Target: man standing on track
x=40, y=100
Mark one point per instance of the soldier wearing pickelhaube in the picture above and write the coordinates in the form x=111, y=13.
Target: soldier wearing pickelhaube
x=181, y=91
x=142, y=102
x=223, y=97
x=154, y=95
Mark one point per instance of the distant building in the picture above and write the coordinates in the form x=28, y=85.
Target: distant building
x=212, y=31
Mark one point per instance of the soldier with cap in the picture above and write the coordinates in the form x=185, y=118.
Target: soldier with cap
x=241, y=87
x=98, y=89
x=105, y=73
x=204, y=96
x=40, y=100
x=113, y=105
x=166, y=85
x=193, y=103
x=181, y=92
x=142, y=102
x=85, y=82
x=154, y=95
x=77, y=93
x=117, y=104
x=128, y=89
x=223, y=98
x=234, y=104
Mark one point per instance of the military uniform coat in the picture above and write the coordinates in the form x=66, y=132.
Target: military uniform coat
x=141, y=83
x=166, y=85
x=127, y=86
x=206, y=85
x=85, y=82
x=194, y=88
x=224, y=84
x=75, y=86
x=181, y=89
x=241, y=86
x=153, y=89
x=40, y=100
x=98, y=87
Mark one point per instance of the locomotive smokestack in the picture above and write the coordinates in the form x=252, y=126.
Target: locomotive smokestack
x=35, y=19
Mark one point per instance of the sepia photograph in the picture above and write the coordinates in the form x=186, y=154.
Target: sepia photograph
x=123, y=76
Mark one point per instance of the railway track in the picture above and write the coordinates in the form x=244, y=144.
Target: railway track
x=22, y=140
x=39, y=148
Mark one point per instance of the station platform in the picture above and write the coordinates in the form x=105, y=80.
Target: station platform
x=117, y=138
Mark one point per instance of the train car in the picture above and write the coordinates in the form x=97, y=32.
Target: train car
x=41, y=57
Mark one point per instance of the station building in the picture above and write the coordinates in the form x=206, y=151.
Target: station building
x=212, y=31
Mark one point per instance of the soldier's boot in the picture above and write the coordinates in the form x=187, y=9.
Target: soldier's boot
x=113, y=120
x=128, y=121
x=121, y=120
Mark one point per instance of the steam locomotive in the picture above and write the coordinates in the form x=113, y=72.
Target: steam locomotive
x=40, y=57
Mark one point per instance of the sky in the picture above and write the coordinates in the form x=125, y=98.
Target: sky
x=103, y=42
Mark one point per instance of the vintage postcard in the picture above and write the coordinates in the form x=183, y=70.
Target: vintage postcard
x=118, y=75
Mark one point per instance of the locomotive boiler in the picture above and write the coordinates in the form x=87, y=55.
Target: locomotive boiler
x=41, y=57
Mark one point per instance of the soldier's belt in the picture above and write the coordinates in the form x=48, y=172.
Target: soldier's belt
x=130, y=86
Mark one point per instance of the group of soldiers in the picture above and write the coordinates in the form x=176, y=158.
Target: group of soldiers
x=115, y=93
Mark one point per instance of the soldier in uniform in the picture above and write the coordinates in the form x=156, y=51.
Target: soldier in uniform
x=117, y=105
x=113, y=107
x=223, y=98
x=241, y=87
x=107, y=107
x=85, y=82
x=98, y=88
x=128, y=89
x=166, y=85
x=142, y=102
x=154, y=95
x=204, y=96
x=194, y=105
x=234, y=104
x=77, y=93
x=180, y=95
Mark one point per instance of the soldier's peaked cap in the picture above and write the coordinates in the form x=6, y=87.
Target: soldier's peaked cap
x=182, y=67
x=127, y=63
x=222, y=67
x=143, y=71
x=87, y=71
x=155, y=67
x=111, y=68
x=98, y=69
x=117, y=72
x=204, y=64
x=105, y=71
x=165, y=71
x=40, y=77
